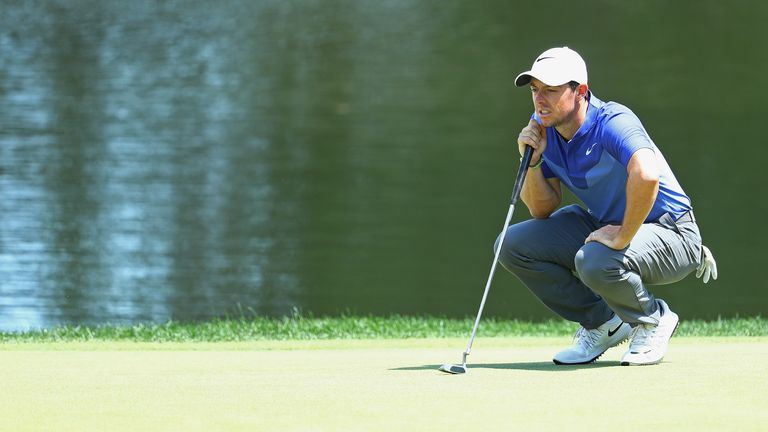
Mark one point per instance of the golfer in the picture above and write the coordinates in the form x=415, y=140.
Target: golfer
x=593, y=265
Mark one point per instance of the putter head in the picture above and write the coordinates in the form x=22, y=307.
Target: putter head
x=453, y=369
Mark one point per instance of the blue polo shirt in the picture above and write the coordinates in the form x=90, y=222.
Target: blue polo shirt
x=593, y=164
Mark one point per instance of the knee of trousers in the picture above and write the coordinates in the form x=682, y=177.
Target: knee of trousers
x=598, y=266
x=512, y=254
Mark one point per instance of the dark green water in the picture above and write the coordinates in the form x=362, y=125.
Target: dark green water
x=184, y=160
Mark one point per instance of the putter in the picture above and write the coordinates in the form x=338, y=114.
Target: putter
x=524, y=162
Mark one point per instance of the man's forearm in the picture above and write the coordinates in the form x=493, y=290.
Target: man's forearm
x=539, y=195
x=641, y=194
x=642, y=188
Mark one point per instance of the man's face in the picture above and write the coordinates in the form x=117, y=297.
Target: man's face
x=555, y=105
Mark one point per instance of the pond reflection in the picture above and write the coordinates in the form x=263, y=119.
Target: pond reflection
x=180, y=160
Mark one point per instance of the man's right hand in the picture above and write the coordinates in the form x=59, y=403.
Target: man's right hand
x=533, y=135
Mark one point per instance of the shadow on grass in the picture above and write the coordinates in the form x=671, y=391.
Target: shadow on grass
x=529, y=366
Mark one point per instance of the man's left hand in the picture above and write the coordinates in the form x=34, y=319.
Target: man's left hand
x=708, y=267
x=609, y=236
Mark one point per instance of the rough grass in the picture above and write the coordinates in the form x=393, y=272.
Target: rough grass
x=300, y=327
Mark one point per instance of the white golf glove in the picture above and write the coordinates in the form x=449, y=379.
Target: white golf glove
x=708, y=266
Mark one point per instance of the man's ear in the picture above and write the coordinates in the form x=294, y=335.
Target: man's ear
x=582, y=90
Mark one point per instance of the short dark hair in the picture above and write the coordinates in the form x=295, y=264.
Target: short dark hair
x=573, y=85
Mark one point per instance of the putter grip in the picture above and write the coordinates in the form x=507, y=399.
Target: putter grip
x=524, y=162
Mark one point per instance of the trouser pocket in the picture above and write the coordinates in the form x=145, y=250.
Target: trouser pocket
x=687, y=228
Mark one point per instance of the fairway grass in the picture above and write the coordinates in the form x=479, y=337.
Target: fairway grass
x=713, y=383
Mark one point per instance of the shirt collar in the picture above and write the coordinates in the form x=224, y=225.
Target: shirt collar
x=589, y=121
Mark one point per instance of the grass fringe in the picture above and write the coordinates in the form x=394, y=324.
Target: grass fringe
x=302, y=327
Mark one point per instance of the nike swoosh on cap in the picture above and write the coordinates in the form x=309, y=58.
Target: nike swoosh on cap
x=542, y=58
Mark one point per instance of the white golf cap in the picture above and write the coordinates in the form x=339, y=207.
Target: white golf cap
x=554, y=67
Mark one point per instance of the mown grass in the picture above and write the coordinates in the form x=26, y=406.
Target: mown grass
x=299, y=327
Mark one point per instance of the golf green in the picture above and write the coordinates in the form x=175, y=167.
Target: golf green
x=379, y=385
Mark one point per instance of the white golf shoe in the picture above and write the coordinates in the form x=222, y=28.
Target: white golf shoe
x=588, y=345
x=649, y=343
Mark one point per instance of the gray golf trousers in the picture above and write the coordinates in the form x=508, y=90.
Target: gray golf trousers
x=588, y=283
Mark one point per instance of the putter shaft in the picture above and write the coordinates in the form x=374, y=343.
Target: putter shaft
x=524, y=162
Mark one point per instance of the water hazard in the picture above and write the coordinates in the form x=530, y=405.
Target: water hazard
x=181, y=161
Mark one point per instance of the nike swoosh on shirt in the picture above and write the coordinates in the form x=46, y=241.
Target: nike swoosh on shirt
x=613, y=332
x=589, y=150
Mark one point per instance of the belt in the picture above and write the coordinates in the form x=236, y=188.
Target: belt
x=687, y=217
